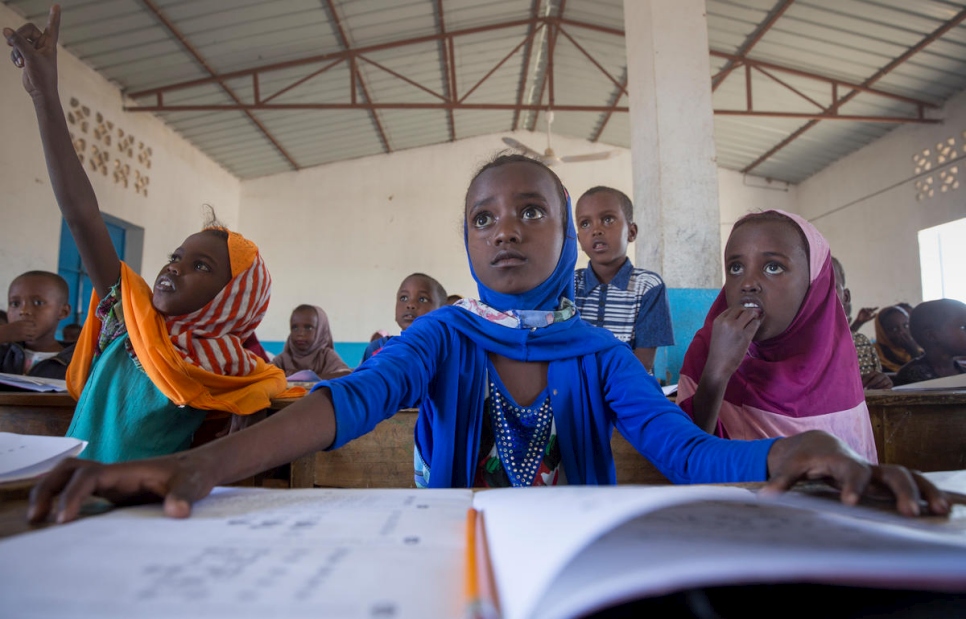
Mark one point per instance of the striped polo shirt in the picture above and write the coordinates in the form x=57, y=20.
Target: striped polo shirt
x=633, y=306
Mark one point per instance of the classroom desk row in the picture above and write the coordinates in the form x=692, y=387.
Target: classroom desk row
x=924, y=431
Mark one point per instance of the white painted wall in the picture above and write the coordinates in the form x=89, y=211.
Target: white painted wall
x=740, y=195
x=865, y=204
x=182, y=178
x=344, y=235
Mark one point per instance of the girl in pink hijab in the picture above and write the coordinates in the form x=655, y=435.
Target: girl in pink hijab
x=309, y=345
x=775, y=357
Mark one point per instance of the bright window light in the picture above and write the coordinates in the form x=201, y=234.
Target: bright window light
x=942, y=254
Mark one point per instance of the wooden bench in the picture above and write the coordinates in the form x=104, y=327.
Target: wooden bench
x=384, y=459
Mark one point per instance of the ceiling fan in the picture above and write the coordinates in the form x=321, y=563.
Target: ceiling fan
x=549, y=157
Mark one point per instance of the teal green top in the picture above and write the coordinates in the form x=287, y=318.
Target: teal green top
x=123, y=416
x=120, y=413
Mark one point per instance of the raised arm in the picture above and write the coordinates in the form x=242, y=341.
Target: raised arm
x=731, y=335
x=36, y=53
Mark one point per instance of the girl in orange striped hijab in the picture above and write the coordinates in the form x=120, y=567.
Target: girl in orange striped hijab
x=156, y=360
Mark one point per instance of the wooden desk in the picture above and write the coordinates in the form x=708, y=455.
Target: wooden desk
x=921, y=430
x=384, y=459
x=48, y=414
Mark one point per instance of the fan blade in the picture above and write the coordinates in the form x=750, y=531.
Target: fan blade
x=607, y=154
x=529, y=152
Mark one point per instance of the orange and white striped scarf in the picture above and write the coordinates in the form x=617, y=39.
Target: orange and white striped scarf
x=212, y=336
x=198, y=359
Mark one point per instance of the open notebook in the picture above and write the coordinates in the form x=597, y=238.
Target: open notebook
x=555, y=552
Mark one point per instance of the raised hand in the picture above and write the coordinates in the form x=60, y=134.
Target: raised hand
x=35, y=52
x=818, y=455
x=865, y=315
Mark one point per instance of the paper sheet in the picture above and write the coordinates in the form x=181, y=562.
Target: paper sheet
x=33, y=383
x=388, y=554
x=23, y=456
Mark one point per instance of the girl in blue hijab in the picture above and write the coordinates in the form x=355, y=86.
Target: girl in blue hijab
x=512, y=388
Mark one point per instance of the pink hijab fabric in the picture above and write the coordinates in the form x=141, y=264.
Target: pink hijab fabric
x=321, y=357
x=806, y=378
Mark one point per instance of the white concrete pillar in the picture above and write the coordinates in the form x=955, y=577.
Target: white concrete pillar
x=672, y=141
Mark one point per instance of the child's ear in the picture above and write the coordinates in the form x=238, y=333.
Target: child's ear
x=631, y=232
x=848, y=296
x=64, y=311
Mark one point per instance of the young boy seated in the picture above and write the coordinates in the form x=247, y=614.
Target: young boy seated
x=940, y=328
x=869, y=365
x=630, y=303
x=418, y=294
x=70, y=333
x=36, y=302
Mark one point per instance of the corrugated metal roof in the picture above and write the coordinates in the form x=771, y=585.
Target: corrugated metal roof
x=294, y=52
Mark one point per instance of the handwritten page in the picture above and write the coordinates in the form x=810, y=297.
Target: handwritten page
x=246, y=552
x=24, y=456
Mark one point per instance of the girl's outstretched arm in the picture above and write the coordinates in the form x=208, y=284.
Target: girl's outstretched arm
x=183, y=478
x=36, y=53
x=731, y=334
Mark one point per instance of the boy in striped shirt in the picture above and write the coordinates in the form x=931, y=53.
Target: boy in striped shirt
x=631, y=303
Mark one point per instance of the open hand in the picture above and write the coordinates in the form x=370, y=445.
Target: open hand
x=176, y=480
x=35, y=52
x=818, y=455
x=876, y=380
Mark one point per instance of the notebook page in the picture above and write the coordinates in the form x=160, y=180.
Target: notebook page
x=249, y=552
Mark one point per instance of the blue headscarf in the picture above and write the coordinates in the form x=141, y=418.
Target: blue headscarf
x=569, y=338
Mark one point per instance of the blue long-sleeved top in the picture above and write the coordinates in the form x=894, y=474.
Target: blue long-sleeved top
x=434, y=365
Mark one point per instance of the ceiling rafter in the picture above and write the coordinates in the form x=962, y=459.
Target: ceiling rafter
x=176, y=33
x=750, y=42
x=536, y=81
x=615, y=97
x=356, y=77
x=445, y=51
x=525, y=67
x=839, y=102
x=552, y=26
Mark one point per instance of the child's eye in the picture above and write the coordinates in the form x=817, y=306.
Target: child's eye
x=424, y=299
x=481, y=220
x=14, y=304
x=201, y=266
x=532, y=212
x=173, y=258
x=583, y=223
x=773, y=268
x=38, y=302
x=404, y=297
x=608, y=219
x=734, y=268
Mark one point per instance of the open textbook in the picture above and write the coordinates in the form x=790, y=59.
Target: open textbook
x=396, y=554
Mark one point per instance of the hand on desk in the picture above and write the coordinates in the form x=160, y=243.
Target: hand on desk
x=174, y=479
x=818, y=455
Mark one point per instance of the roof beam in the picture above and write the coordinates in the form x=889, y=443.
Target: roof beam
x=356, y=76
x=525, y=67
x=838, y=102
x=553, y=25
x=170, y=27
x=750, y=42
x=615, y=97
x=445, y=50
